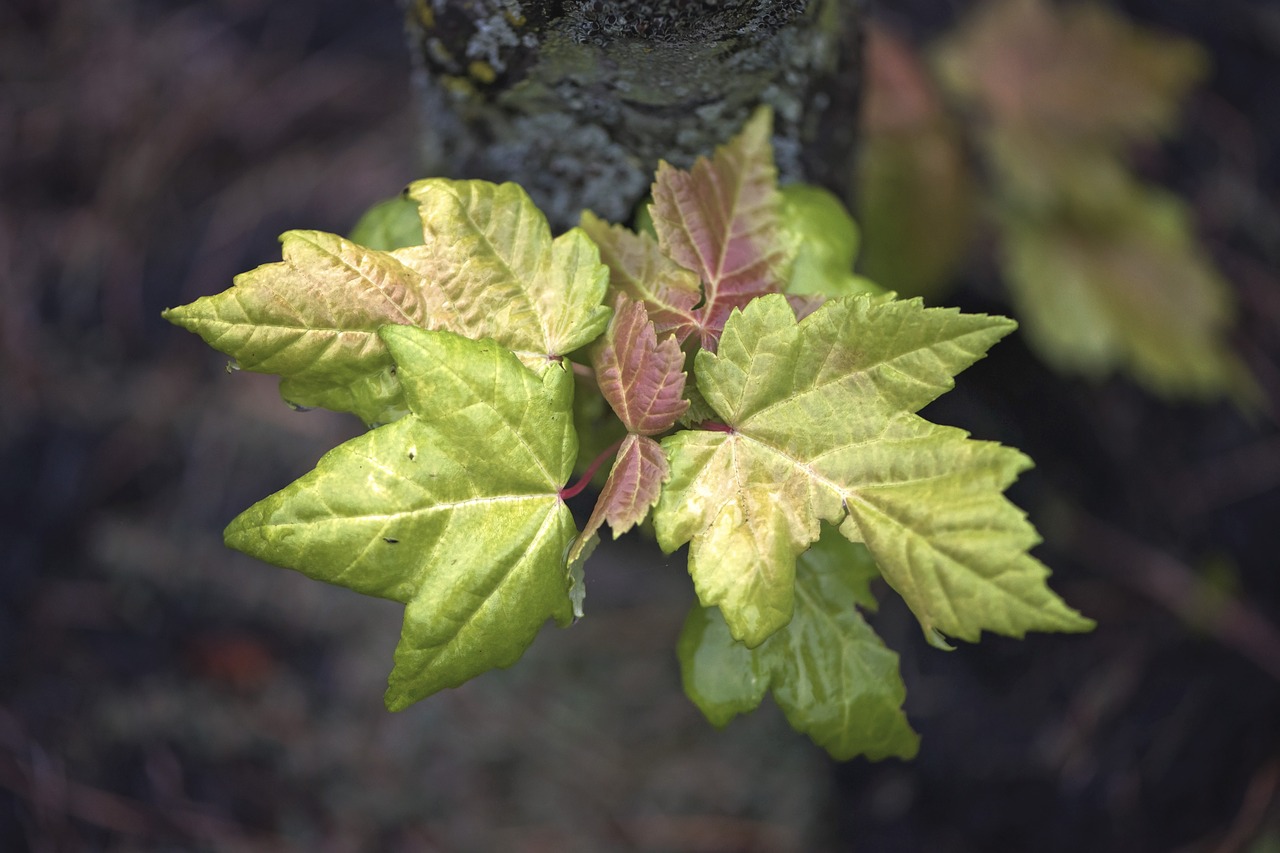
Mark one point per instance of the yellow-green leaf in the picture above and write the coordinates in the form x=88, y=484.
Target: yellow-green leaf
x=489, y=250
x=1134, y=294
x=486, y=268
x=313, y=320
x=819, y=425
x=453, y=510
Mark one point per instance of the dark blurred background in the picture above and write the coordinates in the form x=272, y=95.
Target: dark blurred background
x=159, y=692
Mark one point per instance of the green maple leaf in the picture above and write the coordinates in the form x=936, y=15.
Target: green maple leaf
x=390, y=224
x=826, y=244
x=454, y=510
x=829, y=672
x=487, y=268
x=820, y=426
x=488, y=248
x=313, y=320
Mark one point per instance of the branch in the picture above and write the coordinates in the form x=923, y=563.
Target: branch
x=577, y=102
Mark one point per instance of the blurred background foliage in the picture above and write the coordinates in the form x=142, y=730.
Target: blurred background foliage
x=160, y=692
x=1026, y=117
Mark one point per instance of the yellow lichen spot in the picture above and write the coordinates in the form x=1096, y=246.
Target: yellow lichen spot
x=482, y=71
x=514, y=20
x=422, y=8
x=458, y=85
x=439, y=52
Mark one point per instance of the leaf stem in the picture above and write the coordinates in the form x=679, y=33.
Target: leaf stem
x=583, y=373
x=574, y=490
x=716, y=426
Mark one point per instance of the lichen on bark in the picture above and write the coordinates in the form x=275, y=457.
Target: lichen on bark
x=578, y=100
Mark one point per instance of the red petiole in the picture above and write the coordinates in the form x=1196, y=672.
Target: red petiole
x=576, y=489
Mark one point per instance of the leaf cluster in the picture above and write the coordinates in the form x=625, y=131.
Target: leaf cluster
x=762, y=404
x=1104, y=270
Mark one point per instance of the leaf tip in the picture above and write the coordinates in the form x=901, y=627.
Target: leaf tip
x=238, y=534
x=752, y=625
x=937, y=639
x=759, y=125
x=185, y=316
x=396, y=700
x=1076, y=622
x=396, y=335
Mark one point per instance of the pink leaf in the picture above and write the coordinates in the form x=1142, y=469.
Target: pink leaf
x=633, y=487
x=721, y=220
x=805, y=304
x=643, y=379
x=638, y=268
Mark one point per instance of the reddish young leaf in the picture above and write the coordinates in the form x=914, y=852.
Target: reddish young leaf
x=642, y=378
x=805, y=304
x=721, y=220
x=638, y=268
x=633, y=487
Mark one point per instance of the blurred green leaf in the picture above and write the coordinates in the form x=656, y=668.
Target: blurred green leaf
x=1078, y=71
x=1132, y=293
x=1106, y=273
x=390, y=224
x=826, y=244
x=917, y=197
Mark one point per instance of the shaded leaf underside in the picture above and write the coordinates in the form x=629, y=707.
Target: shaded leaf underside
x=829, y=672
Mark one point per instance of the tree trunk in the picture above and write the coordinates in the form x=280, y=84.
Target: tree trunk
x=577, y=100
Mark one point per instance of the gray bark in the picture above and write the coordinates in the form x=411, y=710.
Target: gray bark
x=577, y=100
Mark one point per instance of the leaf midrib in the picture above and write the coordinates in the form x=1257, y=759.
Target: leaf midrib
x=861, y=370
x=409, y=321
x=848, y=493
x=543, y=252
